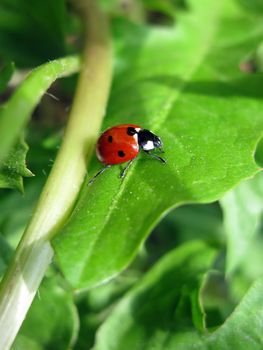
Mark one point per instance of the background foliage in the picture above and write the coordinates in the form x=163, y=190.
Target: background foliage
x=164, y=257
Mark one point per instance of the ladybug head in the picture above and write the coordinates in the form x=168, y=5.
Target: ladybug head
x=148, y=140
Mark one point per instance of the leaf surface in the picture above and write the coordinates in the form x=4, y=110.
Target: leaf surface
x=14, y=168
x=243, y=208
x=146, y=318
x=5, y=75
x=5, y=254
x=184, y=84
x=32, y=32
x=160, y=308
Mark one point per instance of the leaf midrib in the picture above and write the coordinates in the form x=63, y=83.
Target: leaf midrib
x=161, y=120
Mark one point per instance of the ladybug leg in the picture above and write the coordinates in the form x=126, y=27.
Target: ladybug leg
x=98, y=173
x=124, y=170
x=162, y=160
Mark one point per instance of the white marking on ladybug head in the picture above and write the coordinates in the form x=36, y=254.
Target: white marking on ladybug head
x=135, y=136
x=138, y=129
x=148, y=146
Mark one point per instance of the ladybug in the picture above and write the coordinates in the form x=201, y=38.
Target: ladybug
x=122, y=143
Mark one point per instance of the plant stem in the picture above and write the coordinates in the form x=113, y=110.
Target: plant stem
x=34, y=252
x=134, y=10
x=18, y=109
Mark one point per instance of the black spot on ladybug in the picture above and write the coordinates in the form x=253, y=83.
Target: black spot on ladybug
x=110, y=139
x=131, y=131
x=121, y=154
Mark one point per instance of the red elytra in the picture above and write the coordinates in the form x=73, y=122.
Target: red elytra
x=117, y=145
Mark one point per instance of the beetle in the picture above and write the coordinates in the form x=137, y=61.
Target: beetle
x=122, y=143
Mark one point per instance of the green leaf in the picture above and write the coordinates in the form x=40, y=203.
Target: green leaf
x=243, y=209
x=16, y=112
x=52, y=322
x=24, y=343
x=32, y=32
x=255, y=6
x=5, y=254
x=197, y=221
x=160, y=308
x=5, y=75
x=14, y=168
x=16, y=210
x=259, y=153
x=183, y=83
x=139, y=323
x=95, y=306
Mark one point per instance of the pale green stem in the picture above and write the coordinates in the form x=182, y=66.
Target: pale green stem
x=134, y=10
x=34, y=253
x=16, y=112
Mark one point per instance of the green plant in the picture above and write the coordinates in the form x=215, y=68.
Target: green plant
x=184, y=70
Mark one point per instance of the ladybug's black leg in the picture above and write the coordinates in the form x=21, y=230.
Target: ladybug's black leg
x=124, y=170
x=99, y=173
x=162, y=160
